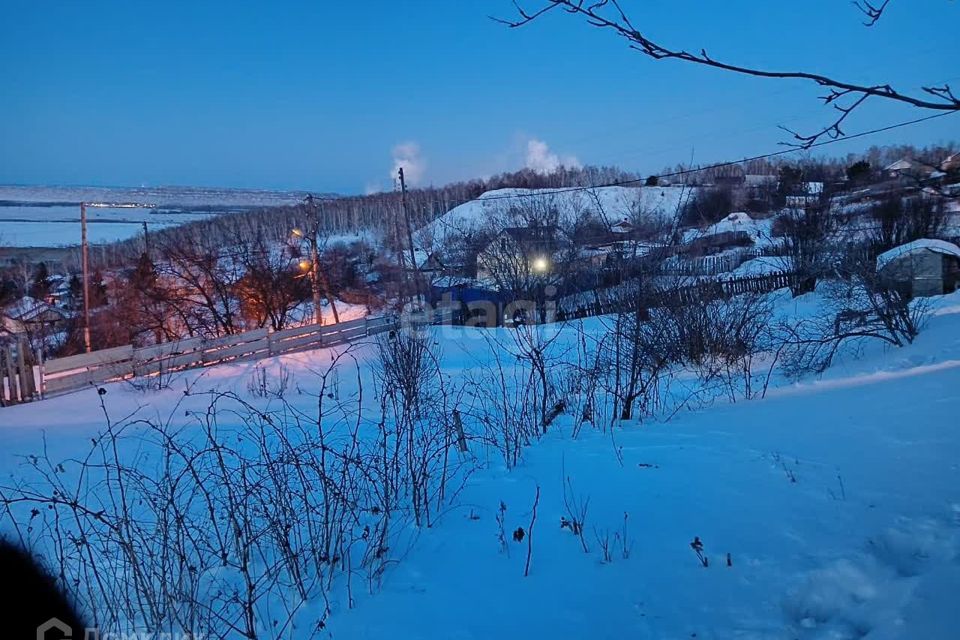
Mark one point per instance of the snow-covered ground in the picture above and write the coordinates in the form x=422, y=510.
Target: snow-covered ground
x=759, y=266
x=837, y=502
x=36, y=216
x=495, y=208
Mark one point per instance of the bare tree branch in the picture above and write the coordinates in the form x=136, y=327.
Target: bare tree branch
x=844, y=96
x=872, y=11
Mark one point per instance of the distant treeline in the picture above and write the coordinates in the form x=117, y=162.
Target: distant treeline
x=378, y=212
x=823, y=169
x=381, y=212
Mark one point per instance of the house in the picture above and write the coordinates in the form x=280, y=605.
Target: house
x=29, y=316
x=738, y=230
x=806, y=194
x=428, y=261
x=718, y=243
x=520, y=252
x=951, y=164
x=923, y=267
x=909, y=168
x=60, y=294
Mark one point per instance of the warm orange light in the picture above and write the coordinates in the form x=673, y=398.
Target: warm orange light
x=298, y=233
x=305, y=265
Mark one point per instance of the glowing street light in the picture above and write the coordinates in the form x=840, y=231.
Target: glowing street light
x=541, y=264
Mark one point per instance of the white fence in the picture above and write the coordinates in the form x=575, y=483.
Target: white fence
x=76, y=372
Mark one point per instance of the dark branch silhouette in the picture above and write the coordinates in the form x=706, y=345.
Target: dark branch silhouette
x=844, y=96
x=872, y=11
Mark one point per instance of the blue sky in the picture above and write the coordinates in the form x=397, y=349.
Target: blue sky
x=323, y=95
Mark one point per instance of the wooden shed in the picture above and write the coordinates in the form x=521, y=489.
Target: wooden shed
x=925, y=267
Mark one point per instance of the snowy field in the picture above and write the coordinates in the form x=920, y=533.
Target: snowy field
x=828, y=510
x=50, y=216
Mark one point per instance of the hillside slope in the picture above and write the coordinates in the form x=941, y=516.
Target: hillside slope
x=837, y=500
x=613, y=204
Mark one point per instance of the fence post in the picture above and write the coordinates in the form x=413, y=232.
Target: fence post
x=26, y=373
x=6, y=389
x=461, y=437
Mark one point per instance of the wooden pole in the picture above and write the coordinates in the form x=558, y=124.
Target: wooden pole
x=146, y=239
x=315, y=277
x=319, y=278
x=85, y=261
x=406, y=220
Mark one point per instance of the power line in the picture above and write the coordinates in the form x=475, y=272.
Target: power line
x=719, y=165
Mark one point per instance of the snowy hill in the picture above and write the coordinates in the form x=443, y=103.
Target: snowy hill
x=829, y=509
x=613, y=204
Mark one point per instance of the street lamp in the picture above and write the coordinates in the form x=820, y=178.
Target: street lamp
x=541, y=264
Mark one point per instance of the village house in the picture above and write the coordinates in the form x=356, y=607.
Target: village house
x=806, y=194
x=31, y=317
x=527, y=250
x=951, y=164
x=923, y=267
x=737, y=231
x=908, y=168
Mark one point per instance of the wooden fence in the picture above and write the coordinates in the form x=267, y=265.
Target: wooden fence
x=19, y=374
x=706, y=265
x=76, y=372
x=630, y=295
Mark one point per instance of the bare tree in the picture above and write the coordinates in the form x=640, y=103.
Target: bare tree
x=270, y=287
x=860, y=307
x=900, y=220
x=200, y=290
x=806, y=234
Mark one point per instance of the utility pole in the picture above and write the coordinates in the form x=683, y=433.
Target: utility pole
x=314, y=277
x=85, y=265
x=406, y=220
x=317, y=277
x=146, y=239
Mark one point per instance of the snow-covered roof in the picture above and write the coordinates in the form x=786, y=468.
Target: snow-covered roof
x=903, y=164
x=26, y=308
x=924, y=244
x=739, y=221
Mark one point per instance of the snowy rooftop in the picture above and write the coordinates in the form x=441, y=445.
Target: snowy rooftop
x=759, y=230
x=924, y=244
x=26, y=308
